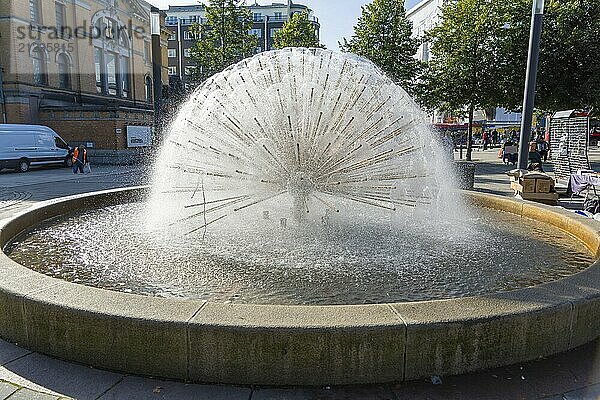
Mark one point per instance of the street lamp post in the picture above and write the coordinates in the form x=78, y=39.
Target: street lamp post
x=155, y=32
x=530, y=80
x=2, y=97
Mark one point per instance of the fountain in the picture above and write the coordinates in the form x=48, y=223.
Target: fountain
x=306, y=126
x=301, y=228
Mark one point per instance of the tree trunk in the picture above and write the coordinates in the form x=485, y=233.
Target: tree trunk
x=470, y=133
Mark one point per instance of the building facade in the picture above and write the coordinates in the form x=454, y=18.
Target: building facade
x=267, y=19
x=81, y=67
x=424, y=16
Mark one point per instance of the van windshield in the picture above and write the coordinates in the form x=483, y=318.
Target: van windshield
x=60, y=144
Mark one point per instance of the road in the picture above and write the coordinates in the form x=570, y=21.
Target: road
x=20, y=190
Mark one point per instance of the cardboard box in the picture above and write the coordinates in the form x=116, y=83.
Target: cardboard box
x=546, y=198
x=528, y=185
x=543, y=185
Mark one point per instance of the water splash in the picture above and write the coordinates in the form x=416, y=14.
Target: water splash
x=303, y=131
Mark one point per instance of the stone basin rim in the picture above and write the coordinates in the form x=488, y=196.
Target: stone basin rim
x=201, y=341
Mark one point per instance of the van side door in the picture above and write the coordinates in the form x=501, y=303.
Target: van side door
x=46, y=152
x=22, y=145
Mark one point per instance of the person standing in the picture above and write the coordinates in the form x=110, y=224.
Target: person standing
x=79, y=159
x=542, y=148
x=534, y=158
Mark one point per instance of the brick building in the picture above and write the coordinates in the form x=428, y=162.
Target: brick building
x=268, y=19
x=81, y=67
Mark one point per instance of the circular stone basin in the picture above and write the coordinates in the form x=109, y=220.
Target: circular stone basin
x=201, y=341
x=344, y=261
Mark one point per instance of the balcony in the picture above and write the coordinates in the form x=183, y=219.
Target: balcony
x=280, y=18
x=184, y=21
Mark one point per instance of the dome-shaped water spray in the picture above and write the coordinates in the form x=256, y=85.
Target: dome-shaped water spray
x=304, y=128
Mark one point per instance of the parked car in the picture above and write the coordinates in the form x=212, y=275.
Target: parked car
x=22, y=146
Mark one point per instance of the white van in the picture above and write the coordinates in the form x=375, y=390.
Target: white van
x=22, y=146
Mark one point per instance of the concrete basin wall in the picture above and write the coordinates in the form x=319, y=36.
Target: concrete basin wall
x=295, y=345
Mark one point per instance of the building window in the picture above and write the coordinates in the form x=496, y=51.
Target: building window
x=111, y=73
x=35, y=11
x=110, y=29
x=125, y=77
x=148, y=86
x=257, y=16
x=425, y=56
x=172, y=36
x=189, y=35
x=172, y=53
x=189, y=71
x=256, y=32
x=38, y=58
x=61, y=17
x=64, y=71
x=273, y=31
x=171, y=20
x=147, y=55
x=186, y=53
x=172, y=71
x=98, y=57
x=278, y=16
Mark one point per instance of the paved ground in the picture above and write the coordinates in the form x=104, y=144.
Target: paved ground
x=574, y=375
x=17, y=191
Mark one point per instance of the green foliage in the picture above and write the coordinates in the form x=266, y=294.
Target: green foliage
x=480, y=48
x=224, y=39
x=468, y=56
x=569, y=73
x=383, y=34
x=298, y=31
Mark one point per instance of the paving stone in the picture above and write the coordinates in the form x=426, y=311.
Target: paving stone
x=584, y=364
x=588, y=393
x=10, y=352
x=46, y=374
x=27, y=394
x=379, y=392
x=6, y=389
x=138, y=388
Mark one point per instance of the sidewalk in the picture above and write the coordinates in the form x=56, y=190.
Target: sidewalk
x=574, y=375
x=490, y=175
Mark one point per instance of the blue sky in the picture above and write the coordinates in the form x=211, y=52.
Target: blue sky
x=337, y=17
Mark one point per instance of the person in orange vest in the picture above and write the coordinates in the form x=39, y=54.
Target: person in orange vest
x=79, y=159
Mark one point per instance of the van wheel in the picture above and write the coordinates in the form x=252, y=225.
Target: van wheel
x=23, y=165
x=69, y=161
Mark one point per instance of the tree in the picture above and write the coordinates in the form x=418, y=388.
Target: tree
x=383, y=34
x=298, y=31
x=224, y=38
x=479, y=57
x=569, y=67
x=467, y=59
x=568, y=72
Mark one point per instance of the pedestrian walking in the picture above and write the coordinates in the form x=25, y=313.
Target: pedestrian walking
x=79, y=159
x=542, y=148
